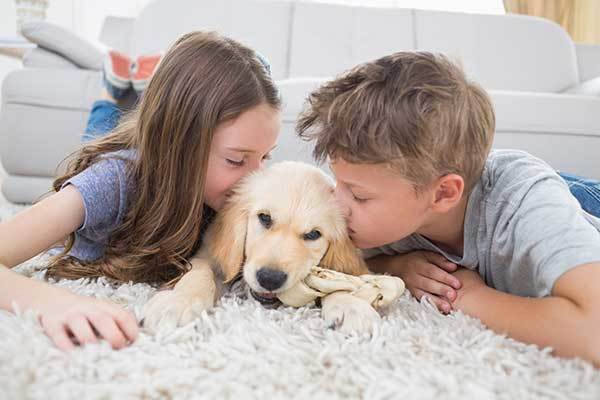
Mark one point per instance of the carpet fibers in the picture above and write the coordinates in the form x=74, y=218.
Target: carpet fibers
x=242, y=350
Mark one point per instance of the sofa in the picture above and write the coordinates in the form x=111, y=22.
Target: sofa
x=545, y=88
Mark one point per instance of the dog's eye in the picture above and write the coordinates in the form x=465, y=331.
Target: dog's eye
x=312, y=235
x=265, y=220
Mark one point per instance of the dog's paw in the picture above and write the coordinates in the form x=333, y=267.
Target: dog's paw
x=169, y=309
x=348, y=314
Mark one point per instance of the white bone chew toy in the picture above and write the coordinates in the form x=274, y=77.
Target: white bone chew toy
x=377, y=290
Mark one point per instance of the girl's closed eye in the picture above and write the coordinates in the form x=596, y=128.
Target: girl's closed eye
x=235, y=163
x=240, y=163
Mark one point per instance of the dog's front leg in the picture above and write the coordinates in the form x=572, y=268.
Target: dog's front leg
x=195, y=292
x=347, y=313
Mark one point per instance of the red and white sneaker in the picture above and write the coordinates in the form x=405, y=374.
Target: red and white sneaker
x=142, y=70
x=117, y=73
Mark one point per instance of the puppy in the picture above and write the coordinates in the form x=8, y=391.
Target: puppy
x=278, y=223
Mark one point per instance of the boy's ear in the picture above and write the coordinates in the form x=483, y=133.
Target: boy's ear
x=227, y=239
x=448, y=192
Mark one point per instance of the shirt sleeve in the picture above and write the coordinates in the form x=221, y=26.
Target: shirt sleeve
x=103, y=187
x=551, y=233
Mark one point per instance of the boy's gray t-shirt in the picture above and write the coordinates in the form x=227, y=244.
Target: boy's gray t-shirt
x=523, y=228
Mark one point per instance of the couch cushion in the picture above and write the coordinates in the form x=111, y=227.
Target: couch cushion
x=294, y=92
x=116, y=33
x=588, y=60
x=327, y=39
x=262, y=25
x=507, y=52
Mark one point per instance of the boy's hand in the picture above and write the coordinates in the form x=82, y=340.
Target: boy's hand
x=70, y=319
x=427, y=274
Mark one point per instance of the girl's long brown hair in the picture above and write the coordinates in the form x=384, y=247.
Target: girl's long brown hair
x=202, y=81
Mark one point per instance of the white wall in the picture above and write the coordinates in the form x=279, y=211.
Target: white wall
x=83, y=17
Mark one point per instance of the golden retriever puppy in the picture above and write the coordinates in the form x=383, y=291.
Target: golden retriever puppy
x=277, y=224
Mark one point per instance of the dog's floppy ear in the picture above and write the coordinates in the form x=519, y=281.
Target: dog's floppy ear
x=342, y=256
x=228, y=237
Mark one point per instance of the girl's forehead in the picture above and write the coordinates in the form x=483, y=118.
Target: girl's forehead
x=251, y=131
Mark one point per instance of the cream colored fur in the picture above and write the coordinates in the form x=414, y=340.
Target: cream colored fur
x=299, y=199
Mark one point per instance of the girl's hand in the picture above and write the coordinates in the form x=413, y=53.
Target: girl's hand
x=428, y=274
x=70, y=319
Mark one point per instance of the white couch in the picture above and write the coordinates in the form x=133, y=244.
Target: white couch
x=545, y=88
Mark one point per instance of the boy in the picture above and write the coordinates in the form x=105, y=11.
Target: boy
x=408, y=138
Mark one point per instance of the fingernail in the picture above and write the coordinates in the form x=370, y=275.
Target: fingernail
x=450, y=294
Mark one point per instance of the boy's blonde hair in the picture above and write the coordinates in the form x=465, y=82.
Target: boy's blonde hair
x=414, y=111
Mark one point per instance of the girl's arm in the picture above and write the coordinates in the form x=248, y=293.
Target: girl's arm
x=61, y=311
x=40, y=226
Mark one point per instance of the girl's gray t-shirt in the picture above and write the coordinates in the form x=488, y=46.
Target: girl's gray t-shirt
x=105, y=187
x=523, y=228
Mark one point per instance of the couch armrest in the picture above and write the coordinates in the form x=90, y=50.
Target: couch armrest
x=116, y=33
x=42, y=58
x=587, y=88
x=562, y=129
x=43, y=115
x=588, y=61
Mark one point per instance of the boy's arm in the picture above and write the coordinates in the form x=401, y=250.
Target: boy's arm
x=568, y=321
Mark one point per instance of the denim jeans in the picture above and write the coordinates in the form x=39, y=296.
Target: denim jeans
x=103, y=118
x=586, y=191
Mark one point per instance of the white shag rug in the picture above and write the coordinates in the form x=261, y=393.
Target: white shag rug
x=242, y=350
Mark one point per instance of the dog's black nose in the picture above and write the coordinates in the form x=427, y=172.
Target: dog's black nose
x=270, y=279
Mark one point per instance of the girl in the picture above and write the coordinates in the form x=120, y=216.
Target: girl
x=134, y=204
